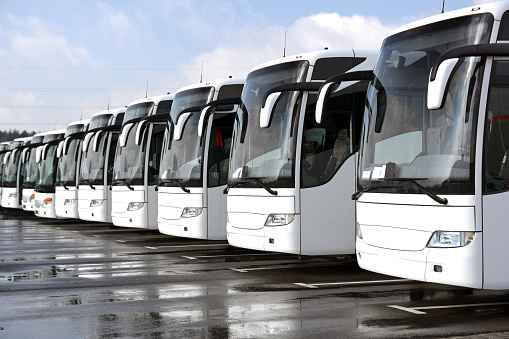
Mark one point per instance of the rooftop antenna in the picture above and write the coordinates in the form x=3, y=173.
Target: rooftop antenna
x=284, y=49
x=201, y=73
x=81, y=114
x=109, y=99
x=443, y=6
x=146, y=91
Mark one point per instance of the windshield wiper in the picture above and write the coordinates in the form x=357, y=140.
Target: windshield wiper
x=62, y=183
x=423, y=189
x=88, y=183
x=119, y=181
x=357, y=194
x=245, y=180
x=177, y=181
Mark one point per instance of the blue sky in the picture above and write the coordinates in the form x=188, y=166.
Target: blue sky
x=62, y=60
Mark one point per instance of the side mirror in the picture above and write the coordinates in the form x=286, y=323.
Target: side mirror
x=86, y=141
x=65, y=146
x=122, y=140
x=59, y=149
x=13, y=155
x=323, y=95
x=268, y=108
x=24, y=157
x=139, y=132
x=38, y=154
x=97, y=136
x=6, y=158
x=204, y=112
x=179, y=127
x=437, y=87
x=43, y=152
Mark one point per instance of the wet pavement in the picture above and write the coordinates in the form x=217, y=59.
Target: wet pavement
x=72, y=279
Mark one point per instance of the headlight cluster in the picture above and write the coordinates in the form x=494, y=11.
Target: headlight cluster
x=97, y=202
x=134, y=206
x=47, y=202
x=12, y=195
x=279, y=219
x=69, y=201
x=189, y=212
x=445, y=239
x=32, y=197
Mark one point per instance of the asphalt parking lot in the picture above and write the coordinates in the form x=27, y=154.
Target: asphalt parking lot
x=72, y=279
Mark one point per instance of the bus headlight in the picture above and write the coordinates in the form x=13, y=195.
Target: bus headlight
x=32, y=197
x=12, y=195
x=134, y=206
x=47, y=202
x=97, y=202
x=279, y=219
x=189, y=212
x=69, y=201
x=451, y=239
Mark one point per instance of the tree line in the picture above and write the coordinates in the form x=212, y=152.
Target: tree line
x=13, y=134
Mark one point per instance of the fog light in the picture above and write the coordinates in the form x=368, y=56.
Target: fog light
x=134, y=206
x=279, y=219
x=69, y=201
x=189, y=212
x=97, y=202
x=359, y=233
x=451, y=239
x=47, y=202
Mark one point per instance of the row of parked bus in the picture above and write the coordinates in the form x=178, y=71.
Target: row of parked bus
x=401, y=161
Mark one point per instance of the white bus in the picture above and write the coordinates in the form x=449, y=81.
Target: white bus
x=66, y=180
x=137, y=159
x=433, y=179
x=13, y=176
x=290, y=177
x=4, y=148
x=194, y=163
x=96, y=170
x=46, y=158
x=30, y=170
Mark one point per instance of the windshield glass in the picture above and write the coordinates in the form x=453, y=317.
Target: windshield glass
x=31, y=168
x=268, y=153
x=129, y=160
x=138, y=111
x=11, y=169
x=99, y=121
x=182, y=159
x=66, y=168
x=46, y=167
x=402, y=138
x=92, y=162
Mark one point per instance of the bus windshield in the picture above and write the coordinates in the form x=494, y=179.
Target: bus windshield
x=66, y=168
x=268, y=153
x=182, y=159
x=11, y=169
x=31, y=169
x=46, y=169
x=92, y=163
x=130, y=159
x=404, y=141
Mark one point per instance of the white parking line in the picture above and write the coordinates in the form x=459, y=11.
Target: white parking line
x=244, y=270
x=95, y=235
x=415, y=310
x=186, y=246
x=225, y=255
x=121, y=240
x=346, y=283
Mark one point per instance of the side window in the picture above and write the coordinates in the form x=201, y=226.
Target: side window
x=154, y=161
x=220, y=141
x=496, y=136
x=326, y=146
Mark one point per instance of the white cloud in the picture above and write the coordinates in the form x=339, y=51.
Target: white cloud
x=33, y=40
x=253, y=46
x=118, y=23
